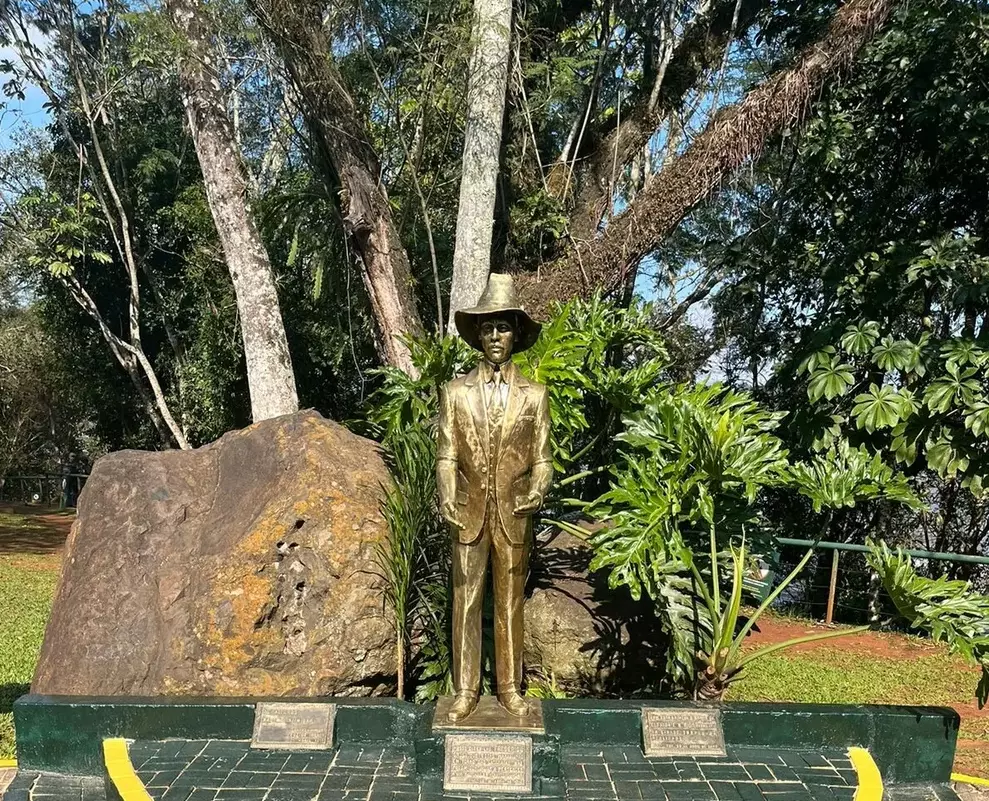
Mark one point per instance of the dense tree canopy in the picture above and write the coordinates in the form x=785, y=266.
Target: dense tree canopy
x=800, y=188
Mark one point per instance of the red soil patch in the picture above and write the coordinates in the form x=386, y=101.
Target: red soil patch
x=869, y=643
x=972, y=758
x=43, y=532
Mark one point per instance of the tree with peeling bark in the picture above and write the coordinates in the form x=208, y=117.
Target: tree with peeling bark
x=269, y=365
x=491, y=43
x=682, y=59
x=602, y=99
x=351, y=171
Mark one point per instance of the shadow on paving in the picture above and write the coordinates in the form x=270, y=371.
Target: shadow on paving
x=10, y=693
x=27, y=530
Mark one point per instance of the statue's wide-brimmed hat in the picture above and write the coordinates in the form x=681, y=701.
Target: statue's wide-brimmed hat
x=498, y=298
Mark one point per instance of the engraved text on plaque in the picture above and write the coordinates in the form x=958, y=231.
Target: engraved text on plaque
x=488, y=763
x=302, y=726
x=682, y=732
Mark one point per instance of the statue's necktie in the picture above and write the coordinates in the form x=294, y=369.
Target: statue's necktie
x=495, y=402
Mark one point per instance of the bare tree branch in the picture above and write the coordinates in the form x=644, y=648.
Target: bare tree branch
x=699, y=51
x=732, y=138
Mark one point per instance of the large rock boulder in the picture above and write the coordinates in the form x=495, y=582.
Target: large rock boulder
x=579, y=633
x=245, y=567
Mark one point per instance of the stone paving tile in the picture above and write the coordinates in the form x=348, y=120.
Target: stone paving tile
x=27, y=786
x=216, y=770
x=743, y=774
x=231, y=771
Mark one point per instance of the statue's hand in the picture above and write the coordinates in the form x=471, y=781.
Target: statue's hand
x=448, y=510
x=528, y=505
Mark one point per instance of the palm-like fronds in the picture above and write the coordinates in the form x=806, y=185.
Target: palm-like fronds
x=950, y=612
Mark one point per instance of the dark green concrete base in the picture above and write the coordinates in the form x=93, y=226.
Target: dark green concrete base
x=65, y=733
x=911, y=745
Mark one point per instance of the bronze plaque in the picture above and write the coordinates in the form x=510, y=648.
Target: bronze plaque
x=492, y=763
x=300, y=726
x=682, y=732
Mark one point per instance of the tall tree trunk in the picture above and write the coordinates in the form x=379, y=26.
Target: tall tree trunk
x=297, y=30
x=734, y=136
x=491, y=37
x=491, y=42
x=270, y=377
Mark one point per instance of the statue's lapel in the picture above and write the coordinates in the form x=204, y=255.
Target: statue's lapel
x=477, y=416
x=518, y=388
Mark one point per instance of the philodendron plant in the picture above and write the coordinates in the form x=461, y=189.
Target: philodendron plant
x=681, y=514
x=949, y=612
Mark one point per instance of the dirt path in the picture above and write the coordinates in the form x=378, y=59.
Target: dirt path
x=33, y=531
x=878, y=644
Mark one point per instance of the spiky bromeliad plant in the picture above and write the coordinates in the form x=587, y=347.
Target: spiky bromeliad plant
x=681, y=516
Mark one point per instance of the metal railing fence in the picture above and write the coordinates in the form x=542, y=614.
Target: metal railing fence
x=838, y=586
x=44, y=489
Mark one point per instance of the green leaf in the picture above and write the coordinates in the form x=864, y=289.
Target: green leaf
x=293, y=251
x=940, y=455
x=950, y=612
x=904, y=444
x=958, y=388
x=859, y=339
x=830, y=380
x=880, y=407
x=977, y=417
x=892, y=354
x=812, y=362
x=962, y=352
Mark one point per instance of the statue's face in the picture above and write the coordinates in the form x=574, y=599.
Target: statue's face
x=498, y=339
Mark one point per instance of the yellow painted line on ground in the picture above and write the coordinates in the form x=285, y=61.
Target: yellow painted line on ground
x=870, y=782
x=8, y=763
x=121, y=771
x=978, y=780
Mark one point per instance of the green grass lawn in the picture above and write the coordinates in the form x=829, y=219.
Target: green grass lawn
x=833, y=676
x=27, y=585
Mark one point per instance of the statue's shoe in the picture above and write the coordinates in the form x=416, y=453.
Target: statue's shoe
x=515, y=704
x=463, y=705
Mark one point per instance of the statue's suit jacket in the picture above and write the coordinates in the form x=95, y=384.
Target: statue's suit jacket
x=467, y=472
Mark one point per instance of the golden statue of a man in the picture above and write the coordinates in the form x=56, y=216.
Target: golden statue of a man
x=493, y=469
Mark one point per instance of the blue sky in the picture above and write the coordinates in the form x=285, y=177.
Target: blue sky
x=15, y=112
